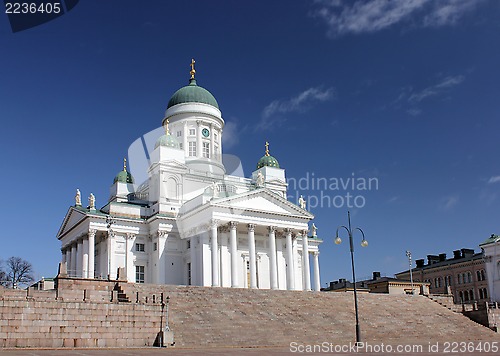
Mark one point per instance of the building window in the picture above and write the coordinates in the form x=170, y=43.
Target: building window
x=155, y=246
x=139, y=274
x=469, y=277
x=459, y=279
x=447, y=281
x=206, y=149
x=215, y=137
x=461, y=294
x=192, y=132
x=481, y=296
x=189, y=273
x=179, y=133
x=139, y=247
x=485, y=293
x=471, y=295
x=181, y=145
x=188, y=244
x=192, y=149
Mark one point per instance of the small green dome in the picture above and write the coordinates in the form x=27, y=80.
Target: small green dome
x=268, y=161
x=167, y=141
x=124, y=177
x=192, y=93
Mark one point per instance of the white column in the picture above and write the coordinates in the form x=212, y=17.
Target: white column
x=129, y=245
x=185, y=147
x=234, y=250
x=68, y=259
x=317, y=283
x=162, y=257
x=251, y=252
x=305, y=259
x=194, y=262
x=290, y=270
x=63, y=256
x=85, y=258
x=72, y=271
x=91, y=271
x=212, y=146
x=79, y=259
x=272, y=257
x=111, y=262
x=198, y=139
x=215, y=254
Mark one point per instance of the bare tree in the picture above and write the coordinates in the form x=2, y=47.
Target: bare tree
x=3, y=275
x=18, y=272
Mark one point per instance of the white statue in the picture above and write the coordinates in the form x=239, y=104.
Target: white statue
x=314, y=229
x=259, y=182
x=78, y=198
x=92, y=201
x=302, y=202
x=214, y=189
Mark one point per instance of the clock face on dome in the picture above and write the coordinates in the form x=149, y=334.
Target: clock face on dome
x=205, y=132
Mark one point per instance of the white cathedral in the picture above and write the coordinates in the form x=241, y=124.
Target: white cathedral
x=190, y=223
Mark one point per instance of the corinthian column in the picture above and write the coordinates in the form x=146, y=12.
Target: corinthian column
x=305, y=259
x=251, y=252
x=290, y=270
x=317, y=283
x=272, y=258
x=234, y=250
x=91, y=271
x=215, y=254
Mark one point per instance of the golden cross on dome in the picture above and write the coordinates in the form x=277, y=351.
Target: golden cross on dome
x=124, y=164
x=267, y=148
x=192, y=71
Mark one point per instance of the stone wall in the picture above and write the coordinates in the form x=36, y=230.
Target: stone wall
x=80, y=313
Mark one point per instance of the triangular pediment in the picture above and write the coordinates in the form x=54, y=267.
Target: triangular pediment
x=73, y=217
x=263, y=200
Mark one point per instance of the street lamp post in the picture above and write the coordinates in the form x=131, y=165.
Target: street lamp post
x=364, y=243
x=408, y=254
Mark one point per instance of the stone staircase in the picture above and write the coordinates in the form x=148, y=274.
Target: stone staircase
x=215, y=317
x=447, y=302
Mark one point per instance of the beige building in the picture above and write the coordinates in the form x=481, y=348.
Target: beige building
x=463, y=275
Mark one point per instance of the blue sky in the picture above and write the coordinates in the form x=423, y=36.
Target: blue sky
x=406, y=92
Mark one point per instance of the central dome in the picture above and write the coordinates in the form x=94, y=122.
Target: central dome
x=192, y=93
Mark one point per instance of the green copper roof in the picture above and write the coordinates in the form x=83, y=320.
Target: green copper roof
x=268, y=161
x=192, y=93
x=167, y=141
x=490, y=239
x=124, y=177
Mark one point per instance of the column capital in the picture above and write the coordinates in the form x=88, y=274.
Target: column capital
x=131, y=235
x=287, y=230
x=315, y=253
x=272, y=229
x=92, y=232
x=214, y=223
x=233, y=225
x=251, y=227
x=162, y=233
x=198, y=122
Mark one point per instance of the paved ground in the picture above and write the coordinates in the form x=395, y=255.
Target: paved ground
x=424, y=351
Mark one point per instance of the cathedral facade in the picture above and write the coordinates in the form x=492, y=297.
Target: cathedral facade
x=191, y=223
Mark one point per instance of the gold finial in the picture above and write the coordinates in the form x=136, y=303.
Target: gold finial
x=267, y=148
x=166, y=126
x=124, y=164
x=192, y=71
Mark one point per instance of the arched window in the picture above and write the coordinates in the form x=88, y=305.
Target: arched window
x=459, y=279
x=481, y=296
x=485, y=293
x=478, y=276
x=466, y=296
x=469, y=277
x=483, y=275
x=471, y=295
x=461, y=295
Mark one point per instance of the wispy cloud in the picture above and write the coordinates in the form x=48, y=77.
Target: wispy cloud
x=494, y=179
x=436, y=89
x=348, y=17
x=449, y=202
x=231, y=134
x=272, y=113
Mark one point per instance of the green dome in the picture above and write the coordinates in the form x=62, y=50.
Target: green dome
x=167, y=141
x=268, y=161
x=192, y=93
x=124, y=177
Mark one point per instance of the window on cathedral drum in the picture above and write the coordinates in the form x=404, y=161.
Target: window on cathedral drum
x=192, y=149
x=155, y=246
x=206, y=149
x=139, y=247
x=192, y=132
x=139, y=274
x=179, y=133
x=188, y=244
